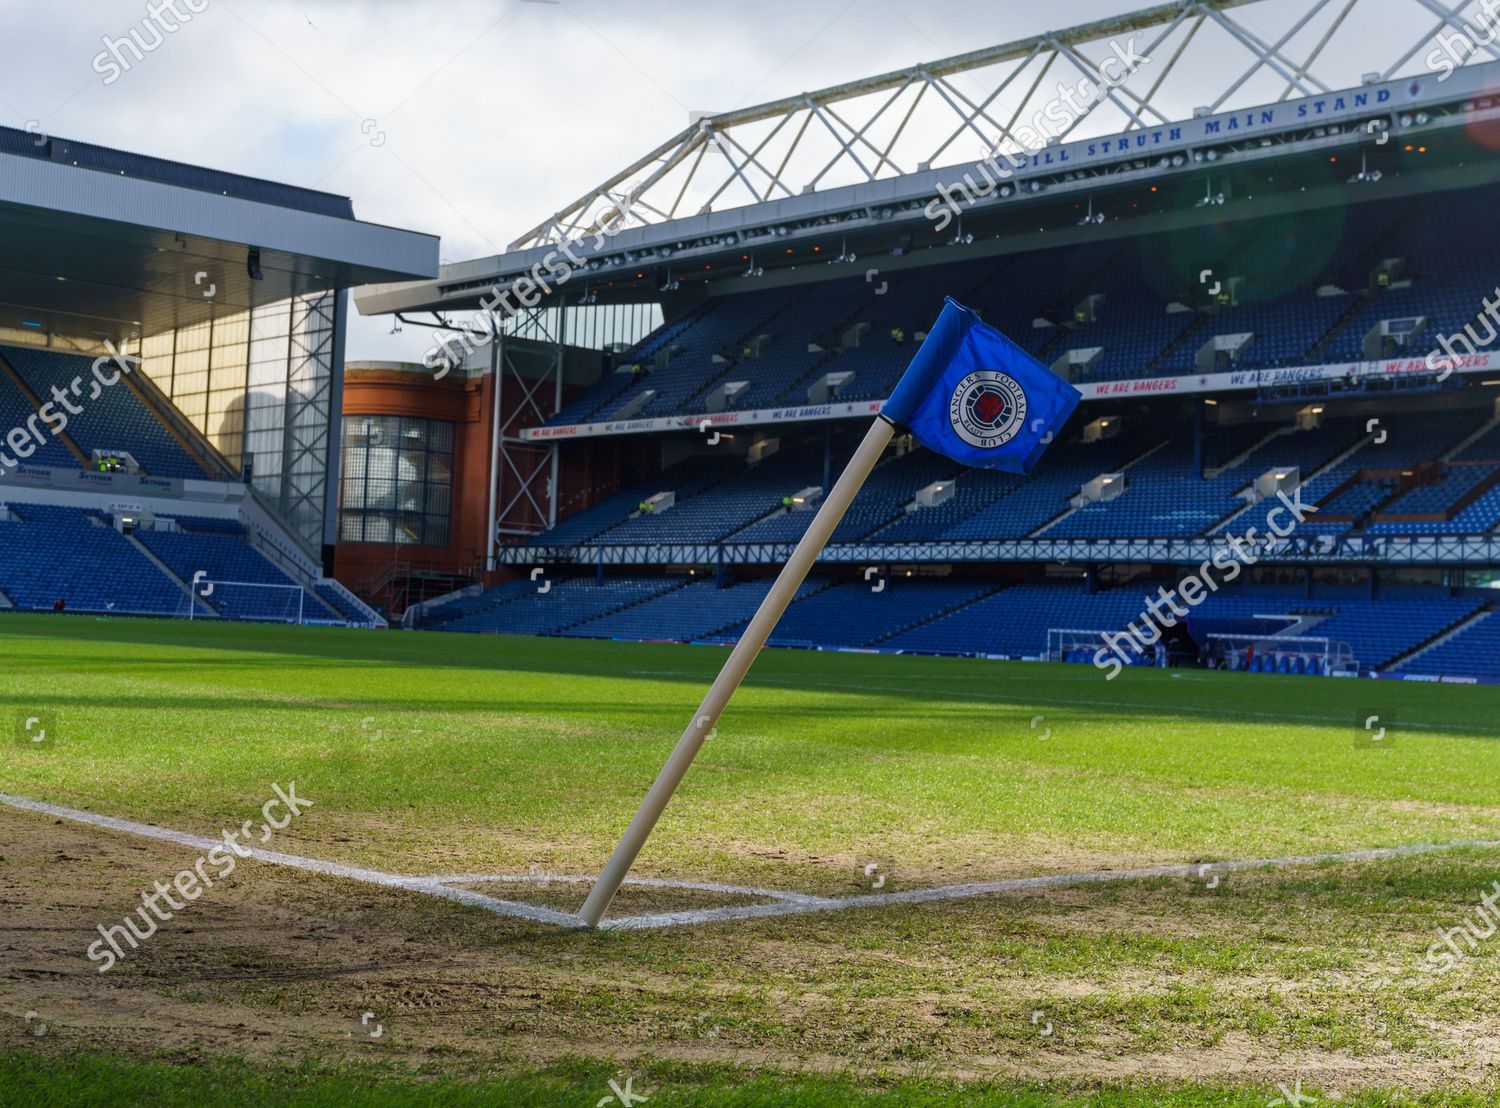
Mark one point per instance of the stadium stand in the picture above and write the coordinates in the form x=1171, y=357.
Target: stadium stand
x=1473, y=652
x=15, y=411
x=229, y=560
x=978, y=616
x=520, y=609
x=114, y=419
x=54, y=554
x=1014, y=622
x=1362, y=477
x=1302, y=286
x=49, y=553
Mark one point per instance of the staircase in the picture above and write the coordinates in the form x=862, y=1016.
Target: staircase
x=1439, y=639
x=1470, y=440
x=195, y=602
x=948, y=611
x=37, y=403
x=1055, y=520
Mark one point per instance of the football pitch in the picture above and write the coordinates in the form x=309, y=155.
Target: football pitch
x=846, y=904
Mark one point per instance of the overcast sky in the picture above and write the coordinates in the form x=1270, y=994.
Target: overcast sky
x=487, y=114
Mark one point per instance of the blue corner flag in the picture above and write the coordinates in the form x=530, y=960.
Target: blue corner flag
x=974, y=395
x=970, y=393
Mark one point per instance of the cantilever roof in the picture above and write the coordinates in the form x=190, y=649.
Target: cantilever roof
x=103, y=240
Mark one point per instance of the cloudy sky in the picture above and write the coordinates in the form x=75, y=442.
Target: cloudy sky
x=476, y=119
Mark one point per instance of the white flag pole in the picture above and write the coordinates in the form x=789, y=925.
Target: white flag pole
x=835, y=504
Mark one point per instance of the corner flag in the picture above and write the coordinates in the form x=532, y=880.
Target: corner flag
x=971, y=394
x=974, y=395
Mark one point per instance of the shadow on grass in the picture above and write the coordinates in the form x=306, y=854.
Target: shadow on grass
x=897, y=687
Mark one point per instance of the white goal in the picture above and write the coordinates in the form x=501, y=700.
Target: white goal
x=251, y=601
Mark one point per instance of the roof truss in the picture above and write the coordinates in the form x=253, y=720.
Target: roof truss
x=1213, y=54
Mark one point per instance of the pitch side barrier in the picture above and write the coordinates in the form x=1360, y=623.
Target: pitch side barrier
x=1451, y=550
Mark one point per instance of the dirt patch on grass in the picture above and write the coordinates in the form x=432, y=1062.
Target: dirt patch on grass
x=276, y=963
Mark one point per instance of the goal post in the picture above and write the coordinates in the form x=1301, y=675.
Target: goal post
x=247, y=601
x=1306, y=655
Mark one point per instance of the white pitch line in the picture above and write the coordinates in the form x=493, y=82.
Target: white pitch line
x=641, y=882
x=1020, y=884
x=315, y=865
x=788, y=904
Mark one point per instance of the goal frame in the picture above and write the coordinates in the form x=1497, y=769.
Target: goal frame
x=196, y=594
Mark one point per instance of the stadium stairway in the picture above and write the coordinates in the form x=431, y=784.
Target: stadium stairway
x=49, y=553
x=202, y=452
x=1411, y=661
x=1074, y=509
x=859, y=615
x=1471, y=649
x=701, y=611
x=19, y=404
x=201, y=607
x=115, y=419
x=524, y=608
x=1482, y=445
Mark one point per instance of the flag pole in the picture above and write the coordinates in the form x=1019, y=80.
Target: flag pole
x=834, y=505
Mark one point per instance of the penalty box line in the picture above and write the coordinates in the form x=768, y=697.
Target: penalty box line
x=444, y=887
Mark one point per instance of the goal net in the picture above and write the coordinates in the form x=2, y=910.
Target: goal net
x=1295, y=654
x=246, y=600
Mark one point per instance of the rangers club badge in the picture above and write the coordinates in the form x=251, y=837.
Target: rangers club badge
x=988, y=409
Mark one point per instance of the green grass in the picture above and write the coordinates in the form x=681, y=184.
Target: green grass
x=107, y=1082
x=510, y=752
x=449, y=753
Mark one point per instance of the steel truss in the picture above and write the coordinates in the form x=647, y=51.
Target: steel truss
x=914, y=119
x=528, y=389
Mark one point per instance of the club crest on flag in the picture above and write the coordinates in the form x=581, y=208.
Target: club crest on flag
x=974, y=395
x=988, y=409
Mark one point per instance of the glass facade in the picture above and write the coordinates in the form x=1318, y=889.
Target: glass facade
x=259, y=385
x=397, y=480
